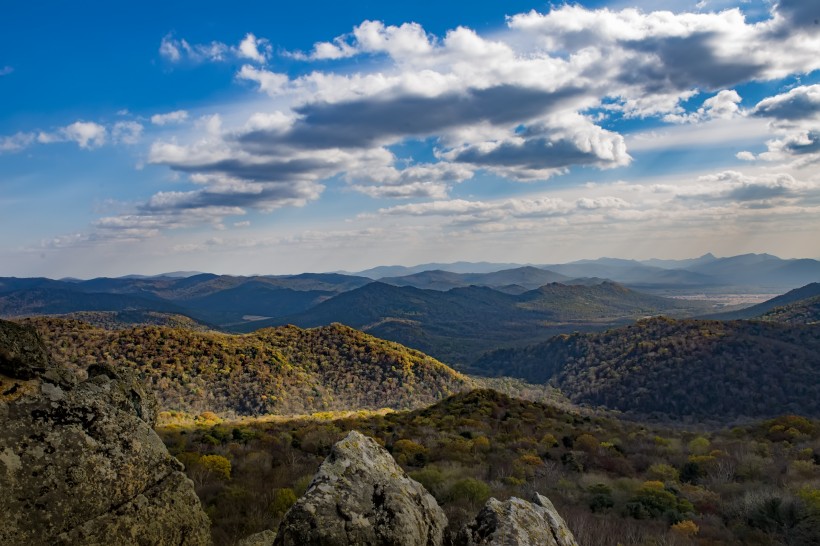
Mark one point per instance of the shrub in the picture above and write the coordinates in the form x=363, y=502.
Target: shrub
x=217, y=466
x=283, y=499
x=471, y=490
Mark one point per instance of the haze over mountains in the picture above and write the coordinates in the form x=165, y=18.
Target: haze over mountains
x=455, y=312
x=748, y=271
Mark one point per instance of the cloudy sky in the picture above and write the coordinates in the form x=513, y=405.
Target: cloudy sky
x=324, y=136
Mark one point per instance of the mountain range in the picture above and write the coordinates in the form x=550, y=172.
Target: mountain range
x=760, y=272
x=458, y=325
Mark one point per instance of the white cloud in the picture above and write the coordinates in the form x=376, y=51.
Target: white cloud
x=86, y=134
x=6, y=70
x=176, y=50
x=794, y=117
x=723, y=105
x=799, y=107
x=17, y=142
x=258, y=50
x=407, y=40
x=126, y=132
x=526, y=103
x=177, y=116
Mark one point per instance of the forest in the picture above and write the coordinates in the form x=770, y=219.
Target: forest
x=614, y=481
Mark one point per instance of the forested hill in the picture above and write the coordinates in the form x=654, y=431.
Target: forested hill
x=757, y=311
x=805, y=311
x=458, y=325
x=705, y=369
x=277, y=370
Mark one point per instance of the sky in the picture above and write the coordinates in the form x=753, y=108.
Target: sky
x=259, y=138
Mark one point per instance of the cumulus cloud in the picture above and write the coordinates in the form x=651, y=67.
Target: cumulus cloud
x=799, y=14
x=86, y=134
x=526, y=103
x=799, y=103
x=724, y=105
x=375, y=37
x=739, y=187
x=255, y=49
x=177, y=116
x=794, y=117
x=546, y=148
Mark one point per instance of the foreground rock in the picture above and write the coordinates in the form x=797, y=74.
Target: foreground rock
x=80, y=462
x=516, y=522
x=361, y=496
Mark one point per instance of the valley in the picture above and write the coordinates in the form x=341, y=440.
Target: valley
x=642, y=416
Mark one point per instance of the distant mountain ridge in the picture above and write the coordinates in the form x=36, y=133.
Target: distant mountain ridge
x=455, y=326
x=751, y=271
x=527, y=277
x=237, y=302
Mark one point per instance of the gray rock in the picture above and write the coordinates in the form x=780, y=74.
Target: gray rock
x=80, y=463
x=22, y=354
x=360, y=496
x=265, y=538
x=516, y=522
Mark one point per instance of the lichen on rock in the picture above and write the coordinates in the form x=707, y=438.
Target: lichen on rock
x=79, y=461
x=361, y=496
x=517, y=522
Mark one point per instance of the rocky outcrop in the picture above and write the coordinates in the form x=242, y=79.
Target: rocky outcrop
x=265, y=538
x=516, y=522
x=361, y=496
x=80, y=462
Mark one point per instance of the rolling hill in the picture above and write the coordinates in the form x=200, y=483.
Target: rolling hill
x=711, y=370
x=456, y=326
x=283, y=370
x=527, y=277
x=805, y=311
x=761, y=309
x=216, y=299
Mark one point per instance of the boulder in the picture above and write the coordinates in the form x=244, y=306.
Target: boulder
x=265, y=538
x=516, y=522
x=361, y=496
x=80, y=462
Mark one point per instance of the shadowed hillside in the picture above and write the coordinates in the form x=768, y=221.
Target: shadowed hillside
x=708, y=369
x=456, y=326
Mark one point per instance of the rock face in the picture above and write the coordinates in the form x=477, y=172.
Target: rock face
x=80, y=462
x=516, y=522
x=361, y=496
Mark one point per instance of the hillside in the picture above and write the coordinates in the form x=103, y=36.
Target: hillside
x=526, y=277
x=277, y=370
x=805, y=311
x=222, y=300
x=456, y=326
x=793, y=296
x=118, y=320
x=51, y=301
x=679, y=368
x=615, y=482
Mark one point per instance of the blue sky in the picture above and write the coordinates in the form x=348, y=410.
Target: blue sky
x=326, y=135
